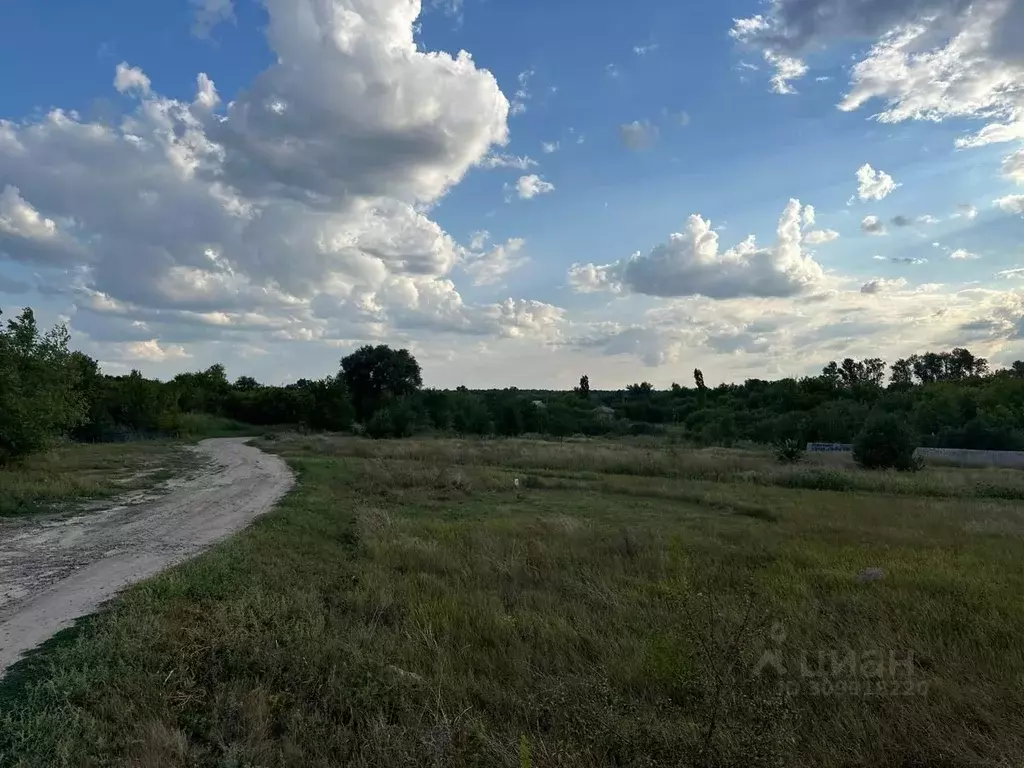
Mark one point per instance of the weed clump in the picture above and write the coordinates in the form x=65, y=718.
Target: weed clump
x=789, y=451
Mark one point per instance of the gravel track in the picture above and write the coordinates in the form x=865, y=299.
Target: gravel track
x=57, y=568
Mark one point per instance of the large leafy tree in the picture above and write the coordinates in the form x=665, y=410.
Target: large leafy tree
x=378, y=375
x=39, y=396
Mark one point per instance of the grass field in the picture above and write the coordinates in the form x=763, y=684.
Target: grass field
x=73, y=473
x=629, y=605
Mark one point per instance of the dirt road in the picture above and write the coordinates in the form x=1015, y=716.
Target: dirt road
x=57, y=568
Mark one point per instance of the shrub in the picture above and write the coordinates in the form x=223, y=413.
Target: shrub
x=789, y=451
x=403, y=419
x=886, y=442
x=397, y=420
x=379, y=425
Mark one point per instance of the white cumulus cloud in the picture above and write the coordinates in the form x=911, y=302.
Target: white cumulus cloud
x=787, y=69
x=820, y=236
x=928, y=59
x=1013, y=166
x=152, y=351
x=881, y=284
x=961, y=254
x=872, y=225
x=872, y=184
x=28, y=235
x=491, y=267
x=528, y=187
x=297, y=211
x=20, y=219
x=127, y=79
x=691, y=263
x=1011, y=203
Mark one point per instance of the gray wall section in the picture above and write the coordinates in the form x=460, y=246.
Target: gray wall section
x=1011, y=459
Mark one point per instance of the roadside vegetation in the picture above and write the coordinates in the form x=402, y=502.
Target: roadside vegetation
x=409, y=604
x=69, y=474
x=948, y=399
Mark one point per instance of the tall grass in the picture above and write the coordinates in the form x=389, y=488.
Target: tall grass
x=409, y=605
x=826, y=473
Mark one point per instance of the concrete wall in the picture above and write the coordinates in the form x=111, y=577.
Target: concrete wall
x=1012, y=459
x=829, y=448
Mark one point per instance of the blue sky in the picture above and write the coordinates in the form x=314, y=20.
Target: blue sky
x=343, y=187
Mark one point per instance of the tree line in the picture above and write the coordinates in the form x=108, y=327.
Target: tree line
x=949, y=399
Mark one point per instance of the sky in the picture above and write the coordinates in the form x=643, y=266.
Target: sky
x=518, y=192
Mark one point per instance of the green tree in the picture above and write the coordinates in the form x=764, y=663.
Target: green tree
x=376, y=376
x=902, y=374
x=204, y=391
x=328, y=405
x=90, y=386
x=641, y=391
x=510, y=417
x=583, y=390
x=143, y=405
x=929, y=367
x=830, y=374
x=38, y=395
x=469, y=414
x=962, y=364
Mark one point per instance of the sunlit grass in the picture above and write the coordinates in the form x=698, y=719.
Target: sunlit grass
x=408, y=605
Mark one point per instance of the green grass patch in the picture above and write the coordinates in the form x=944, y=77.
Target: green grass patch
x=73, y=473
x=408, y=605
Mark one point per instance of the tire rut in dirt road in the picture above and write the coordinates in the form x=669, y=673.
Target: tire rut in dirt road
x=56, y=569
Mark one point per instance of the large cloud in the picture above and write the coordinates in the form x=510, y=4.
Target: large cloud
x=691, y=264
x=762, y=337
x=930, y=59
x=352, y=108
x=302, y=202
